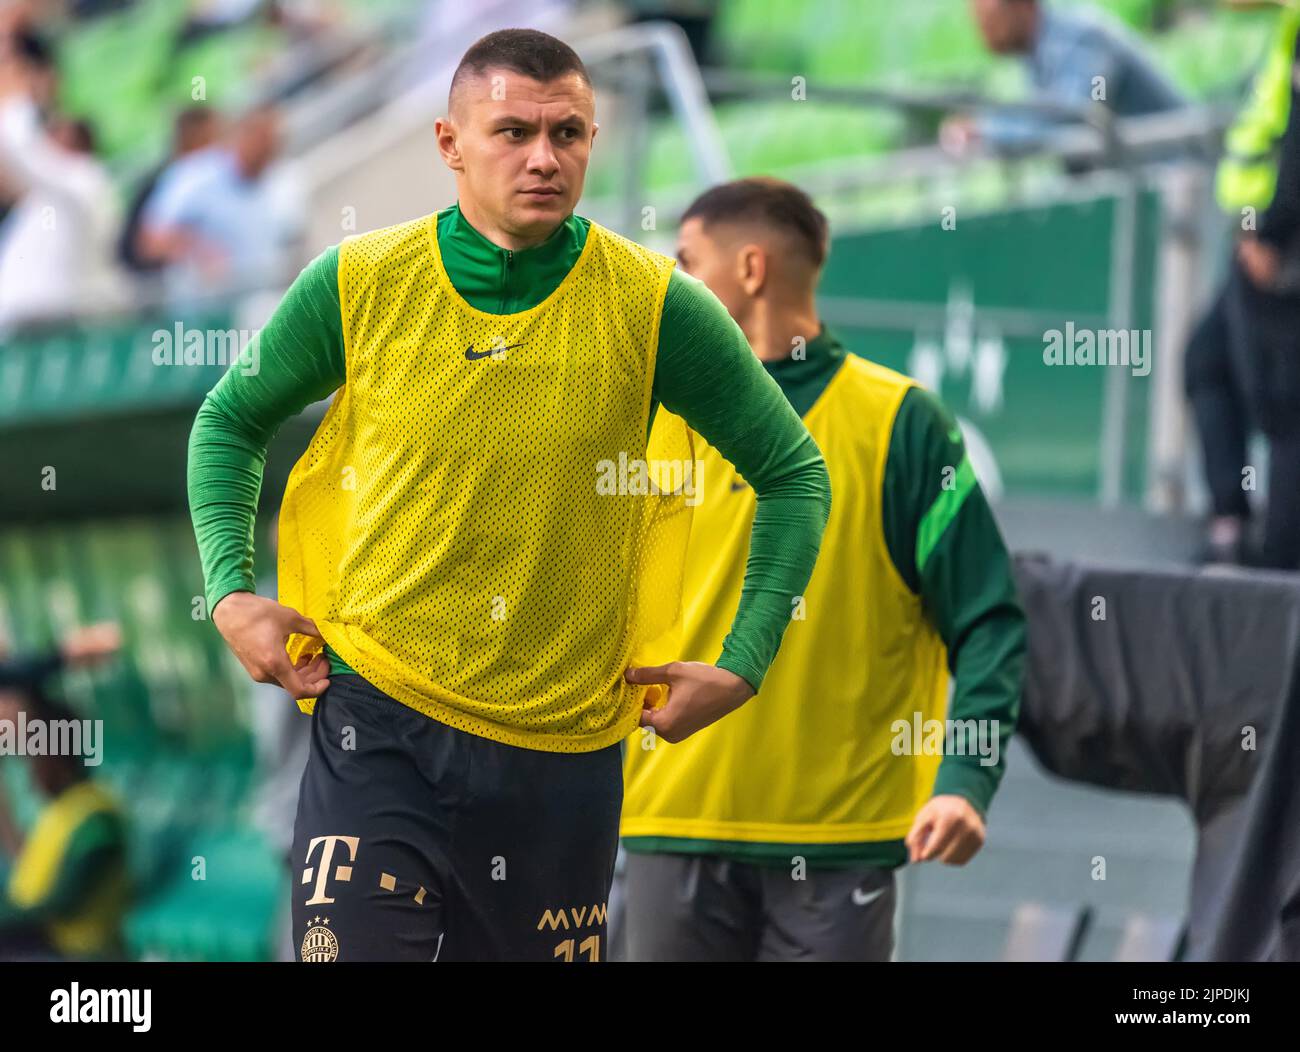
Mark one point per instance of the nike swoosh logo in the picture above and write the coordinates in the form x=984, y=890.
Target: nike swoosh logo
x=861, y=899
x=737, y=486
x=473, y=355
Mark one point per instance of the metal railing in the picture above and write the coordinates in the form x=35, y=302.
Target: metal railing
x=1111, y=158
x=650, y=69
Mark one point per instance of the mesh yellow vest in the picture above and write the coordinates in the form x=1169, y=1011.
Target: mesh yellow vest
x=812, y=758
x=477, y=526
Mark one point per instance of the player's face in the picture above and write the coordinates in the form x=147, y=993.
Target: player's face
x=521, y=148
x=703, y=257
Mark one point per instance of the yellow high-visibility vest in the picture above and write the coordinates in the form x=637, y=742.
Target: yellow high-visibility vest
x=1247, y=175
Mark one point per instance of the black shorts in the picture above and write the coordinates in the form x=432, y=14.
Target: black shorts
x=416, y=841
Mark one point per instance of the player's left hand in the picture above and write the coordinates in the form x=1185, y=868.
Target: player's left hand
x=698, y=694
x=947, y=828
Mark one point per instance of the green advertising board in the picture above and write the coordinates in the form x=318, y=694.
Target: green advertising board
x=968, y=306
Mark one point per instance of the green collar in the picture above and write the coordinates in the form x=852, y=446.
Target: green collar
x=505, y=281
x=802, y=380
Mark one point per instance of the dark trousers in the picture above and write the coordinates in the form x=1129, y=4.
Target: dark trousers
x=416, y=841
x=707, y=908
x=1242, y=372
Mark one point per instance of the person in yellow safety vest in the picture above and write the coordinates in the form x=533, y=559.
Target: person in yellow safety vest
x=1242, y=368
x=64, y=881
x=1247, y=175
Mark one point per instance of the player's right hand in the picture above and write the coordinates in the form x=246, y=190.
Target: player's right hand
x=698, y=694
x=257, y=629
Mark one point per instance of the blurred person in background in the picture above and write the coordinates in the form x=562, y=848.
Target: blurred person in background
x=19, y=35
x=1072, y=60
x=913, y=580
x=84, y=646
x=213, y=221
x=64, y=885
x=56, y=243
x=195, y=128
x=1242, y=369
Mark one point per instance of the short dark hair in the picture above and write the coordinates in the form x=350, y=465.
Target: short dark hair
x=527, y=51
x=769, y=202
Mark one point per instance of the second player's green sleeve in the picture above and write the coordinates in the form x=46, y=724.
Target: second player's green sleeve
x=299, y=360
x=943, y=539
x=707, y=374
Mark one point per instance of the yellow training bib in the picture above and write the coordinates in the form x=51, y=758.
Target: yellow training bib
x=810, y=759
x=452, y=528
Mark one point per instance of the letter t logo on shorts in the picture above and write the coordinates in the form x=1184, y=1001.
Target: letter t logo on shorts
x=343, y=873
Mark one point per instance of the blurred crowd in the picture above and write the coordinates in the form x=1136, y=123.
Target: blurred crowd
x=1241, y=368
x=56, y=243
x=206, y=220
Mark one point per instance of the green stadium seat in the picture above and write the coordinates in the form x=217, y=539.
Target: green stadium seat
x=229, y=916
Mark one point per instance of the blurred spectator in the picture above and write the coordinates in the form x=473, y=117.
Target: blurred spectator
x=64, y=885
x=56, y=242
x=38, y=58
x=213, y=220
x=1072, y=61
x=196, y=128
x=83, y=646
x=1242, y=369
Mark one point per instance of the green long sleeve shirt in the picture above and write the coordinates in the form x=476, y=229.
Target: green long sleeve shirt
x=704, y=372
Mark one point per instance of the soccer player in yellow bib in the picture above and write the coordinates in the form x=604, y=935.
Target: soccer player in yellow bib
x=486, y=531
x=774, y=834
